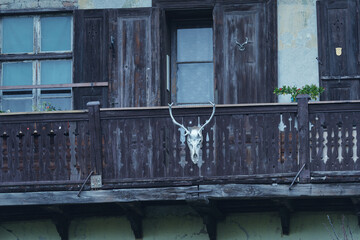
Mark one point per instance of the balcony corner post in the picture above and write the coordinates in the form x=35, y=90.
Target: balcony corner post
x=303, y=128
x=95, y=136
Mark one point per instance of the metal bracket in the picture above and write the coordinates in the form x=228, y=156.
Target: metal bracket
x=87, y=178
x=297, y=175
x=96, y=181
x=241, y=46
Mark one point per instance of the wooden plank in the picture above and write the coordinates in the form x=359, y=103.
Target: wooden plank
x=100, y=196
x=65, y=85
x=95, y=137
x=37, y=56
x=304, y=147
x=226, y=191
x=259, y=191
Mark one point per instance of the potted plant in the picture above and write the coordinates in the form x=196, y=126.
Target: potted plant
x=312, y=90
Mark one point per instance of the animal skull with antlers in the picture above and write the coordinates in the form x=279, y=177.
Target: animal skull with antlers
x=194, y=135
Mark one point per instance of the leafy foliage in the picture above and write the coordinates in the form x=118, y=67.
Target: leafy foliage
x=312, y=90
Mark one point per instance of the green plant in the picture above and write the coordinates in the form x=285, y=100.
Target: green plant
x=45, y=107
x=312, y=90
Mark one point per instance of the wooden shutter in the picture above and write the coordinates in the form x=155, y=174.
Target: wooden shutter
x=247, y=76
x=338, y=27
x=90, y=51
x=134, y=68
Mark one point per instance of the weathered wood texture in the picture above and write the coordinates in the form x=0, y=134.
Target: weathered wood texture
x=44, y=147
x=252, y=192
x=334, y=137
x=241, y=75
x=338, y=27
x=134, y=60
x=141, y=147
x=146, y=144
x=90, y=55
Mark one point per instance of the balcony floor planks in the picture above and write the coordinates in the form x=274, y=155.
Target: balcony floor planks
x=218, y=192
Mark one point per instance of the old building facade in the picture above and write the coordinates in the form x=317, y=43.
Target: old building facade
x=114, y=166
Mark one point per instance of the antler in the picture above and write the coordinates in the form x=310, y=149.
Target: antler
x=174, y=121
x=212, y=115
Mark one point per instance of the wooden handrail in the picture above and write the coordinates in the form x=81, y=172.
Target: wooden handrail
x=66, y=85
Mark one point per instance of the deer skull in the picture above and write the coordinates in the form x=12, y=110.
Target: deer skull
x=194, y=135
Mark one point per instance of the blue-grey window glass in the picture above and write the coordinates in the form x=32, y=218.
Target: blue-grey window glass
x=56, y=33
x=56, y=71
x=195, y=83
x=17, y=103
x=194, y=44
x=17, y=74
x=18, y=34
x=60, y=101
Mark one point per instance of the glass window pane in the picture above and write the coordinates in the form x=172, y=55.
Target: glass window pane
x=17, y=103
x=17, y=34
x=56, y=72
x=56, y=33
x=59, y=103
x=195, y=83
x=20, y=73
x=194, y=44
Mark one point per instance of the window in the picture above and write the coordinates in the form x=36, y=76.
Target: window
x=36, y=56
x=192, y=75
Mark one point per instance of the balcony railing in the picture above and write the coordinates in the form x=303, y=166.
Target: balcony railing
x=140, y=147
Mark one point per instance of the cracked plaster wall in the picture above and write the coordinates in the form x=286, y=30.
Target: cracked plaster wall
x=297, y=44
x=180, y=222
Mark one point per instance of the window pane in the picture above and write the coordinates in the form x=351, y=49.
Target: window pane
x=194, y=44
x=60, y=103
x=17, y=34
x=195, y=83
x=17, y=103
x=56, y=72
x=55, y=33
x=17, y=74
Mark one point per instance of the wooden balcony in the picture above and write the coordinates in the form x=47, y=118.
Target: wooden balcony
x=249, y=151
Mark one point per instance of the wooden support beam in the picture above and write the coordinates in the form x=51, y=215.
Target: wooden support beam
x=356, y=202
x=285, y=210
x=135, y=214
x=60, y=219
x=285, y=220
x=209, y=213
x=303, y=126
x=212, y=192
x=62, y=224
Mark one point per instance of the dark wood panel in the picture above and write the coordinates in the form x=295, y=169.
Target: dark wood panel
x=90, y=55
x=142, y=147
x=338, y=27
x=241, y=74
x=134, y=59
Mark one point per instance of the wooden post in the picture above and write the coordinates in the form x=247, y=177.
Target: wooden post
x=303, y=128
x=95, y=136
